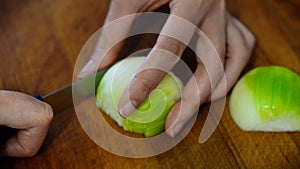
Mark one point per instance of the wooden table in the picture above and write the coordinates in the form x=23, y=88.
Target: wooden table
x=39, y=44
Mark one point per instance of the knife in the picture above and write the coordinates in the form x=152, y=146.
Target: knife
x=61, y=99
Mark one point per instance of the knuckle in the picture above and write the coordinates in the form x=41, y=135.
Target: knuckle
x=172, y=45
x=144, y=84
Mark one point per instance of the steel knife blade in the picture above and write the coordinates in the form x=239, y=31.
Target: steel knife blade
x=61, y=99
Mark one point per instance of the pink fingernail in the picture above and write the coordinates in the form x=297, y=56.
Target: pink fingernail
x=86, y=69
x=175, y=130
x=128, y=108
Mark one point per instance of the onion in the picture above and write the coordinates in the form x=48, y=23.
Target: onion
x=150, y=116
x=267, y=99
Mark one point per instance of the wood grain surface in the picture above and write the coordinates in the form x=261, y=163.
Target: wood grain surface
x=39, y=44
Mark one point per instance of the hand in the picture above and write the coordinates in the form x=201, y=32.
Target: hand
x=231, y=39
x=31, y=116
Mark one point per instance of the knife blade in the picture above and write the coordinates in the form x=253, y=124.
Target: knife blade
x=61, y=99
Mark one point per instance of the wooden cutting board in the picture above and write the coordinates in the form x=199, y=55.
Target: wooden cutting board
x=39, y=44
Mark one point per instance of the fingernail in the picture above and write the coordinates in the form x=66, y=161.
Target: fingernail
x=86, y=69
x=175, y=130
x=128, y=108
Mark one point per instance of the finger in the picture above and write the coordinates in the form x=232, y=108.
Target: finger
x=194, y=94
x=214, y=27
x=28, y=114
x=176, y=33
x=207, y=74
x=210, y=47
x=111, y=38
x=198, y=89
x=240, y=45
